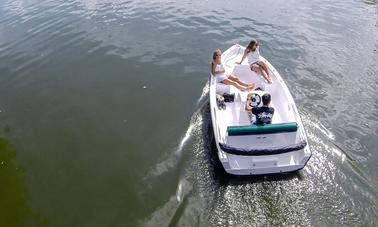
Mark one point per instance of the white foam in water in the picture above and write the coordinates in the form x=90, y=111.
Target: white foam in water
x=205, y=91
x=324, y=130
x=171, y=161
x=186, y=137
x=163, y=215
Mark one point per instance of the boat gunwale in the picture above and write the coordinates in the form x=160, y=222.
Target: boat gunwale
x=212, y=94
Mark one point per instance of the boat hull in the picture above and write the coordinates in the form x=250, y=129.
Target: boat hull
x=285, y=162
x=261, y=165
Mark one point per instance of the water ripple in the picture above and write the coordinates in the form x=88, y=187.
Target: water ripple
x=325, y=51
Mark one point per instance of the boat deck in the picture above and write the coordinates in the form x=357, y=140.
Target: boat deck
x=236, y=115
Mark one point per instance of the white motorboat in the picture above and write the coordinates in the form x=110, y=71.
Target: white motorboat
x=249, y=149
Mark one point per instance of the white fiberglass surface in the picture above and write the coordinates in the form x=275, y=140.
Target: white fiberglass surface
x=251, y=162
x=235, y=114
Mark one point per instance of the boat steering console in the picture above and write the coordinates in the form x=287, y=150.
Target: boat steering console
x=256, y=99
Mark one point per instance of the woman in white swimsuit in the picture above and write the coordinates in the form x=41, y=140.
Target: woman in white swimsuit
x=221, y=75
x=254, y=62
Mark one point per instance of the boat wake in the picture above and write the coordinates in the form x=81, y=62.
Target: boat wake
x=170, y=213
x=206, y=195
x=174, y=157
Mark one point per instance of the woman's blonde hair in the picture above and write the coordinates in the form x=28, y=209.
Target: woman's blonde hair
x=216, y=52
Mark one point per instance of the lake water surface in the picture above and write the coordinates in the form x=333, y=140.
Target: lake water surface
x=104, y=112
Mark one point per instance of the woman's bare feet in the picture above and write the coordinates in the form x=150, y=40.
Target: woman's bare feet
x=269, y=79
x=252, y=85
x=248, y=88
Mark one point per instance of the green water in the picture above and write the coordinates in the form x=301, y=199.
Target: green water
x=105, y=121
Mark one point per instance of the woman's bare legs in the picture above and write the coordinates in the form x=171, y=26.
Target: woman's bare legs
x=237, y=80
x=237, y=85
x=258, y=68
x=265, y=71
x=265, y=75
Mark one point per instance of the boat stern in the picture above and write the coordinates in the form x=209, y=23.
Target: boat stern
x=264, y=164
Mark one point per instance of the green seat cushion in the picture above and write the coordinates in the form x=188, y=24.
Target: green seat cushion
x=262, y=129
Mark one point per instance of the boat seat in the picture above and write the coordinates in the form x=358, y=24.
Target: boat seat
x=244, y=73
x=223, y=88
x=262, y=129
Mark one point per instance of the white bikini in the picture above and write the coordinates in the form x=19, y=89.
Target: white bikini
x=221, y=76
x=254, y=57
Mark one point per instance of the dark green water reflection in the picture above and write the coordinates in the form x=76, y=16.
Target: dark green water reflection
x=105, y=119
